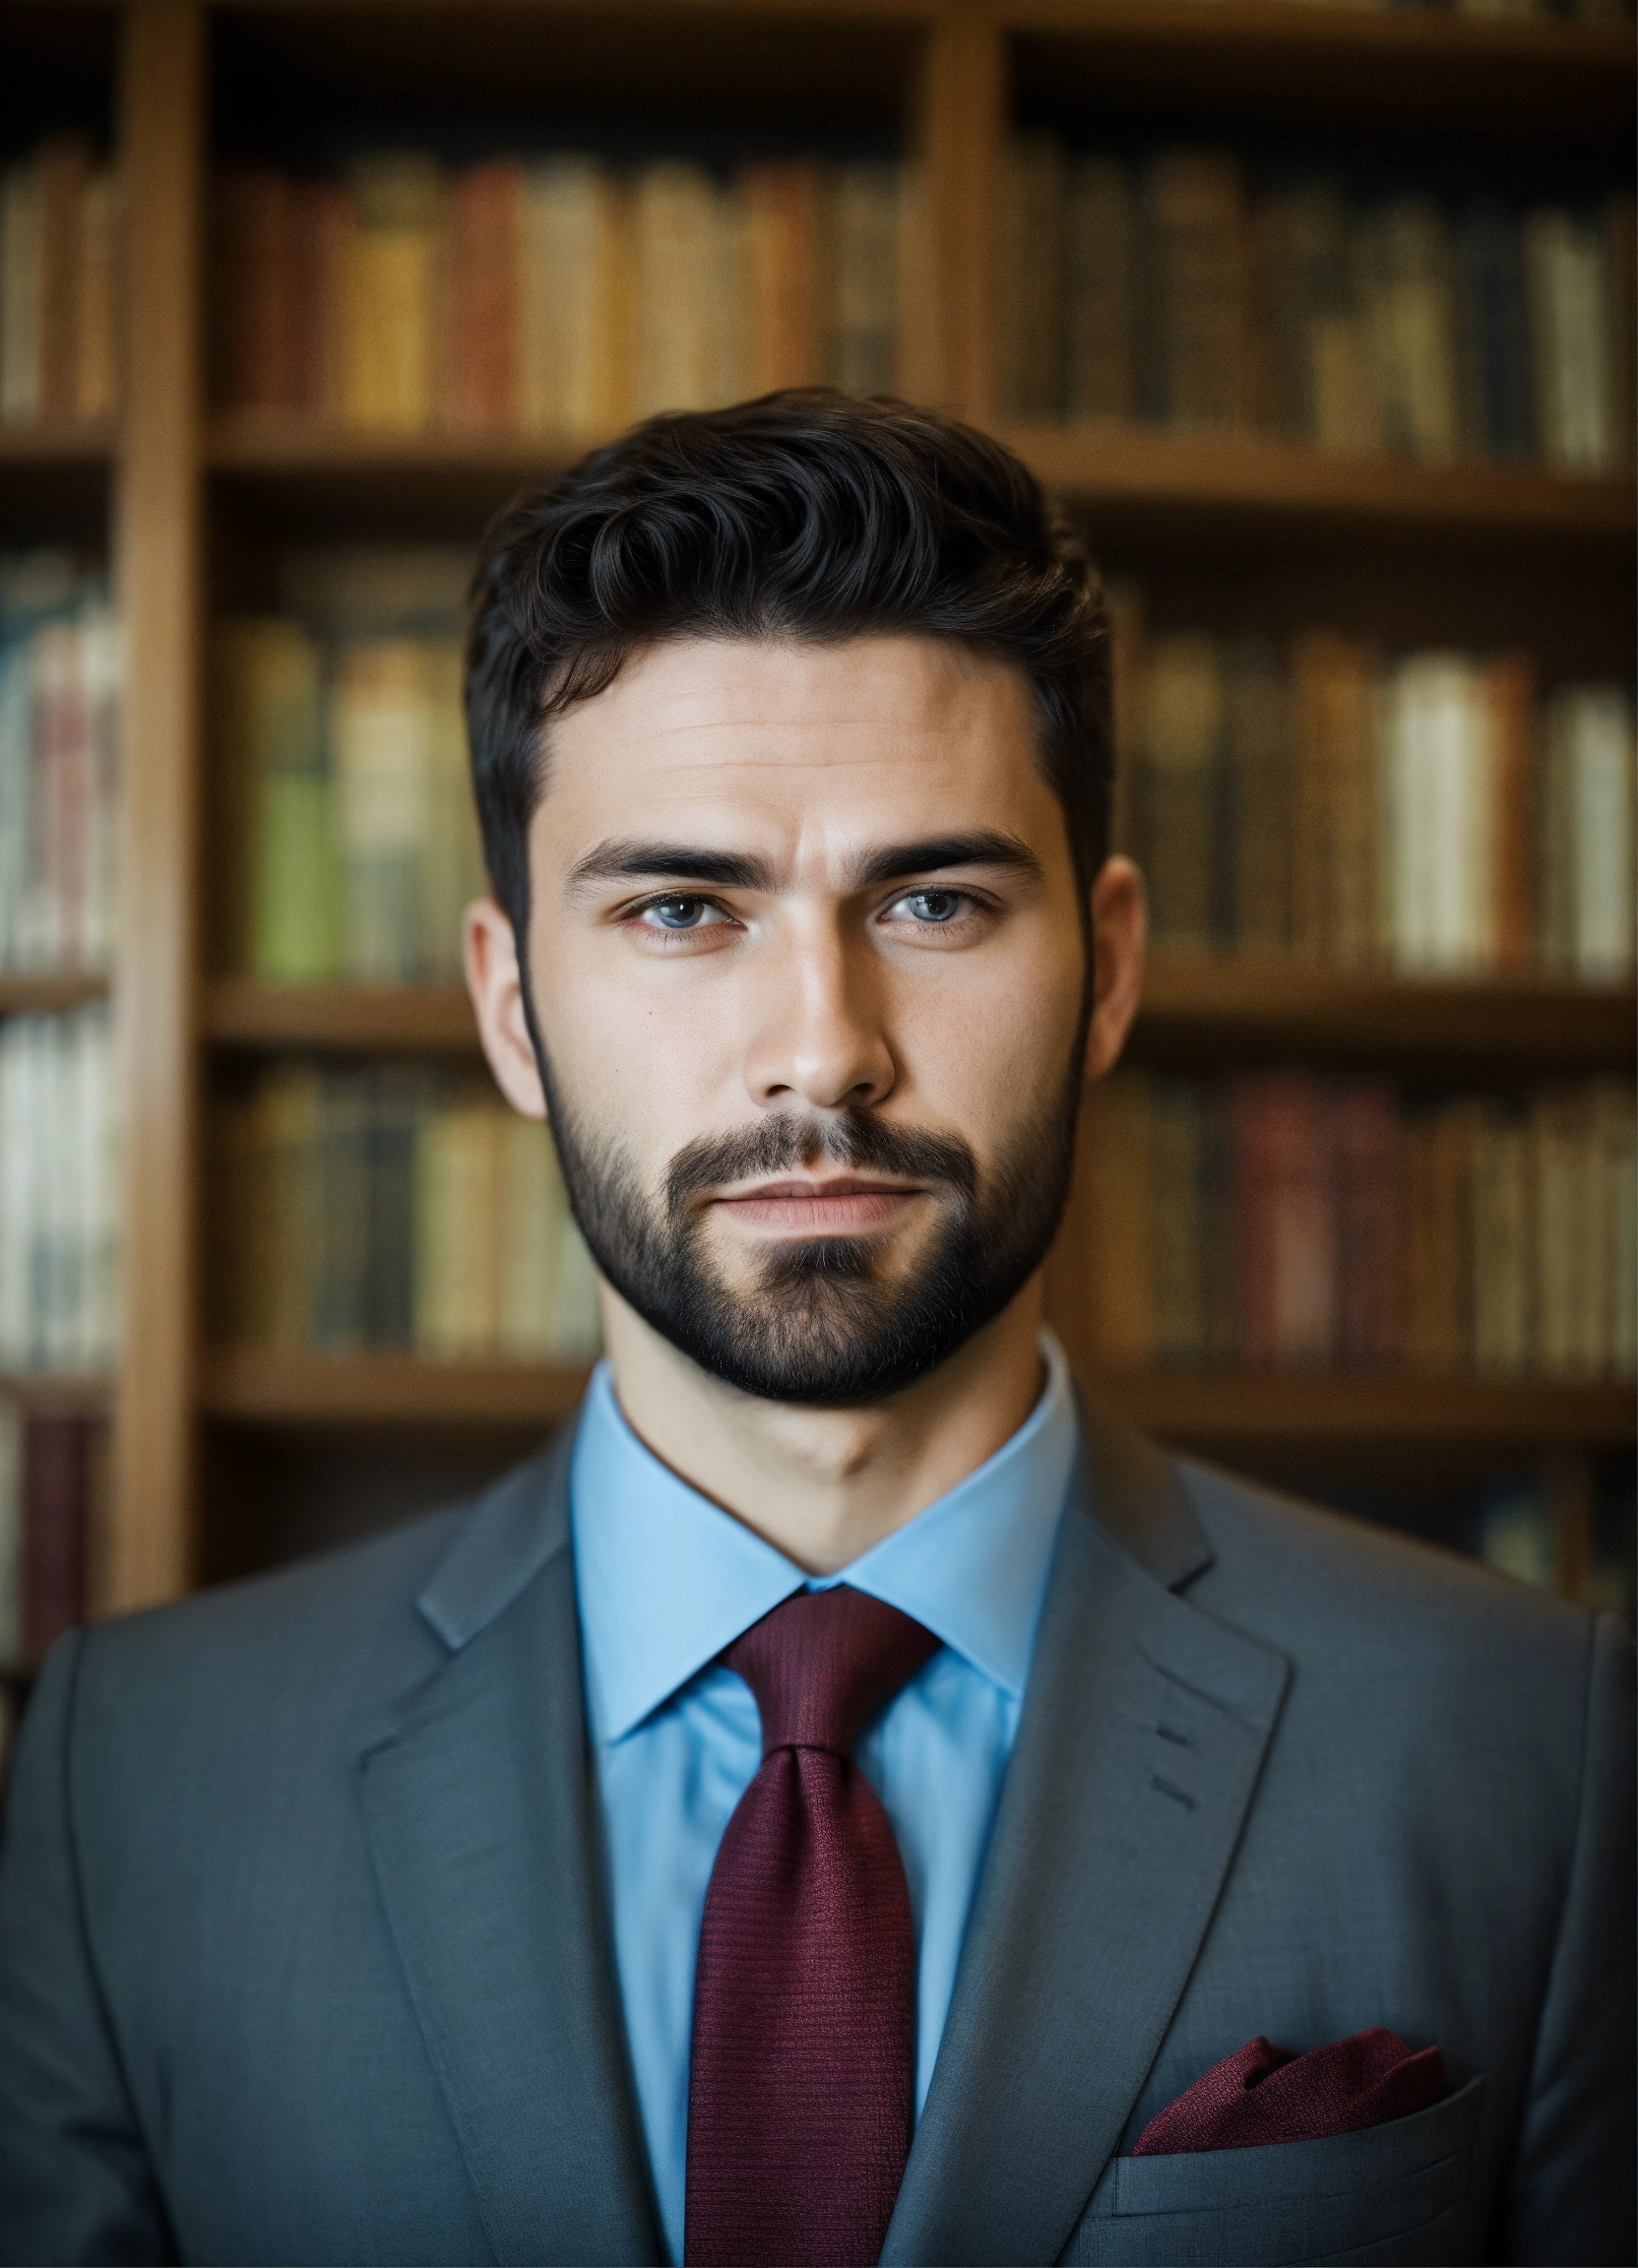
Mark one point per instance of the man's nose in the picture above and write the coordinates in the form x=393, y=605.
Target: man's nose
x=821, y=1036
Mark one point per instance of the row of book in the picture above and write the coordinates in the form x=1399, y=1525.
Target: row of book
x=561, y=295
x=59, y=239
x=1280, y=1220
x=341, y=750
x=59, y=1235
x=1166, y=292
x=60, y=676
x=54, y=1477
x=394, y=1205
x=1432, y=813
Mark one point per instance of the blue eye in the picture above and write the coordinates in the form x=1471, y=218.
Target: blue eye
x=936, y=906
x=678, y=913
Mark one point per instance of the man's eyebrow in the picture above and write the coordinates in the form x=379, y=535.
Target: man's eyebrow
x=630, y=861
x=935, y=852
x=635, y=862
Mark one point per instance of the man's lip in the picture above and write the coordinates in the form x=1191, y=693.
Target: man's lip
x=840, y=1185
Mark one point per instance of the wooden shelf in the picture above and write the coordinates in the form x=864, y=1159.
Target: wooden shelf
x=28, y=992
x=1239, y=1409
x=341, y=1019
x=1249, y=474
x=1194, y=1008
x=55, y=443
x=268, y=1387
x=1249, y=1409
x=78, y=1394
x=1215, y=475
x=1259, y=61
x=1199, y=1009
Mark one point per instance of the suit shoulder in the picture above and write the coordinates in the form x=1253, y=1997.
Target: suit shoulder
x=1301, y=1574
x=321, y=1632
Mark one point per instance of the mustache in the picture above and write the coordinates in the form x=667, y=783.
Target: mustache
x=781, y=1144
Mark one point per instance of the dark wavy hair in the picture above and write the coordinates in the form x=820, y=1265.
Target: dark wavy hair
x=805, y=514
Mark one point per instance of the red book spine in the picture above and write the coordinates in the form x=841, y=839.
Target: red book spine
x=54, y=1476
x=1370, y=1224
x=1285, y=1199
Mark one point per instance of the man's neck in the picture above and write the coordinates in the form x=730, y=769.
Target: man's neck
x=822, y=1486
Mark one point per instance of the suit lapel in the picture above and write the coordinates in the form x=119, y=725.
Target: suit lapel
x=478, y=1812
x=1142, y=1736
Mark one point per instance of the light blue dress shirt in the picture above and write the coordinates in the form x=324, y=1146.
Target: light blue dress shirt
x=665, y=1581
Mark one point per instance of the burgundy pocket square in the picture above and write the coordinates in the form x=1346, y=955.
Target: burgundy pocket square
x=1265, y=2094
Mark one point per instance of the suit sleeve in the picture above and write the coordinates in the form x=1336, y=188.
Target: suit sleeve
x=1570, y=2195
x=75, y=2181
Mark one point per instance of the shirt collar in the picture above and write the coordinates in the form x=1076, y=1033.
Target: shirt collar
x=666, y=1579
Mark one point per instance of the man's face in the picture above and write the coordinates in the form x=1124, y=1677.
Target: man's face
x=809, y=978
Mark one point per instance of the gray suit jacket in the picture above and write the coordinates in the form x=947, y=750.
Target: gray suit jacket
x=303, y=1953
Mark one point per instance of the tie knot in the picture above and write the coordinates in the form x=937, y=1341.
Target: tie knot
x=823, y=1663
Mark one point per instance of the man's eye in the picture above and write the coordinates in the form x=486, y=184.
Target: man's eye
x=933, y=907
x=680, y=913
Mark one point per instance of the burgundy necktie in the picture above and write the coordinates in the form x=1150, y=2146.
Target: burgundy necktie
x=800, y=2095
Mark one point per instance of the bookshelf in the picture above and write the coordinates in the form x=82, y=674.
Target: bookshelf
x=213, y=1446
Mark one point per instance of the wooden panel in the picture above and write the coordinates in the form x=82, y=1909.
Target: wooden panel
x=1193, y=1009
x=150, y=1556
x=363, y=1019
x=1252, y=1409
x=25, y=992
x=1266, y=477
x=268, y=1387
x=80, y=1394
x=1200, y=1010
x=961, y=125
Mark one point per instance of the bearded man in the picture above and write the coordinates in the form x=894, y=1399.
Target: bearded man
x=845, y=1799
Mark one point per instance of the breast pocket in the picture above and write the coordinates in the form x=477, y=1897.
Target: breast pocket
x=1389, y=2193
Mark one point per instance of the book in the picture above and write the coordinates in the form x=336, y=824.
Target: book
x=1179, y=788
x=394, y=1205
x=1193, y=355
x=1589, y=805
x=1573, y=338
x=1335, y=800
x=12, y=1425
x=1256, y=817
x=575, y=299
x=681, y=261
x=1281, y=1219
x=58, y=1194
x=1030, y=266
x=868, y=214
x=1286, y=1216
x=1497, y=417
x=1100, y=283
x=55, y=1493
x=391, y=279
x=1411, y=317
x=774, y=298
x=1440, y=809
x=479, y=329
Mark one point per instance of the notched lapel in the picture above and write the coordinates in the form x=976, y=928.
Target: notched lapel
x=478, y=1811
x=1142, y=1736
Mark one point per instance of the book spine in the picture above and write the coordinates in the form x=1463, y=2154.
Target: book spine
x=54, y=1474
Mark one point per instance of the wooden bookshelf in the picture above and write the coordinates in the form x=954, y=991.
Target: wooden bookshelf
x=1196, y=1010
x=954, y=73
x=1269, y=478
x=266, y=1387
x=1257, y=1410
x=49, y=992
x=79, y=1394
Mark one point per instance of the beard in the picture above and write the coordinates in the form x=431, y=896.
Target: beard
x=824, y=1321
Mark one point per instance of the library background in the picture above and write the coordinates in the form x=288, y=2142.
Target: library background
x=1319, y=317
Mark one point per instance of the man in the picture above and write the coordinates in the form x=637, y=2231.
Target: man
x=845, y=1798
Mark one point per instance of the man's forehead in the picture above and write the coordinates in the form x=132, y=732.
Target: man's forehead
x=739, y=725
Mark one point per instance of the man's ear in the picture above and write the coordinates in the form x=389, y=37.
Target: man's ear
x=1119, y=935
x=490, y=949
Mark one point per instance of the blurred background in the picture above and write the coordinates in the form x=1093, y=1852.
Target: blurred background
x=1319, y=319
